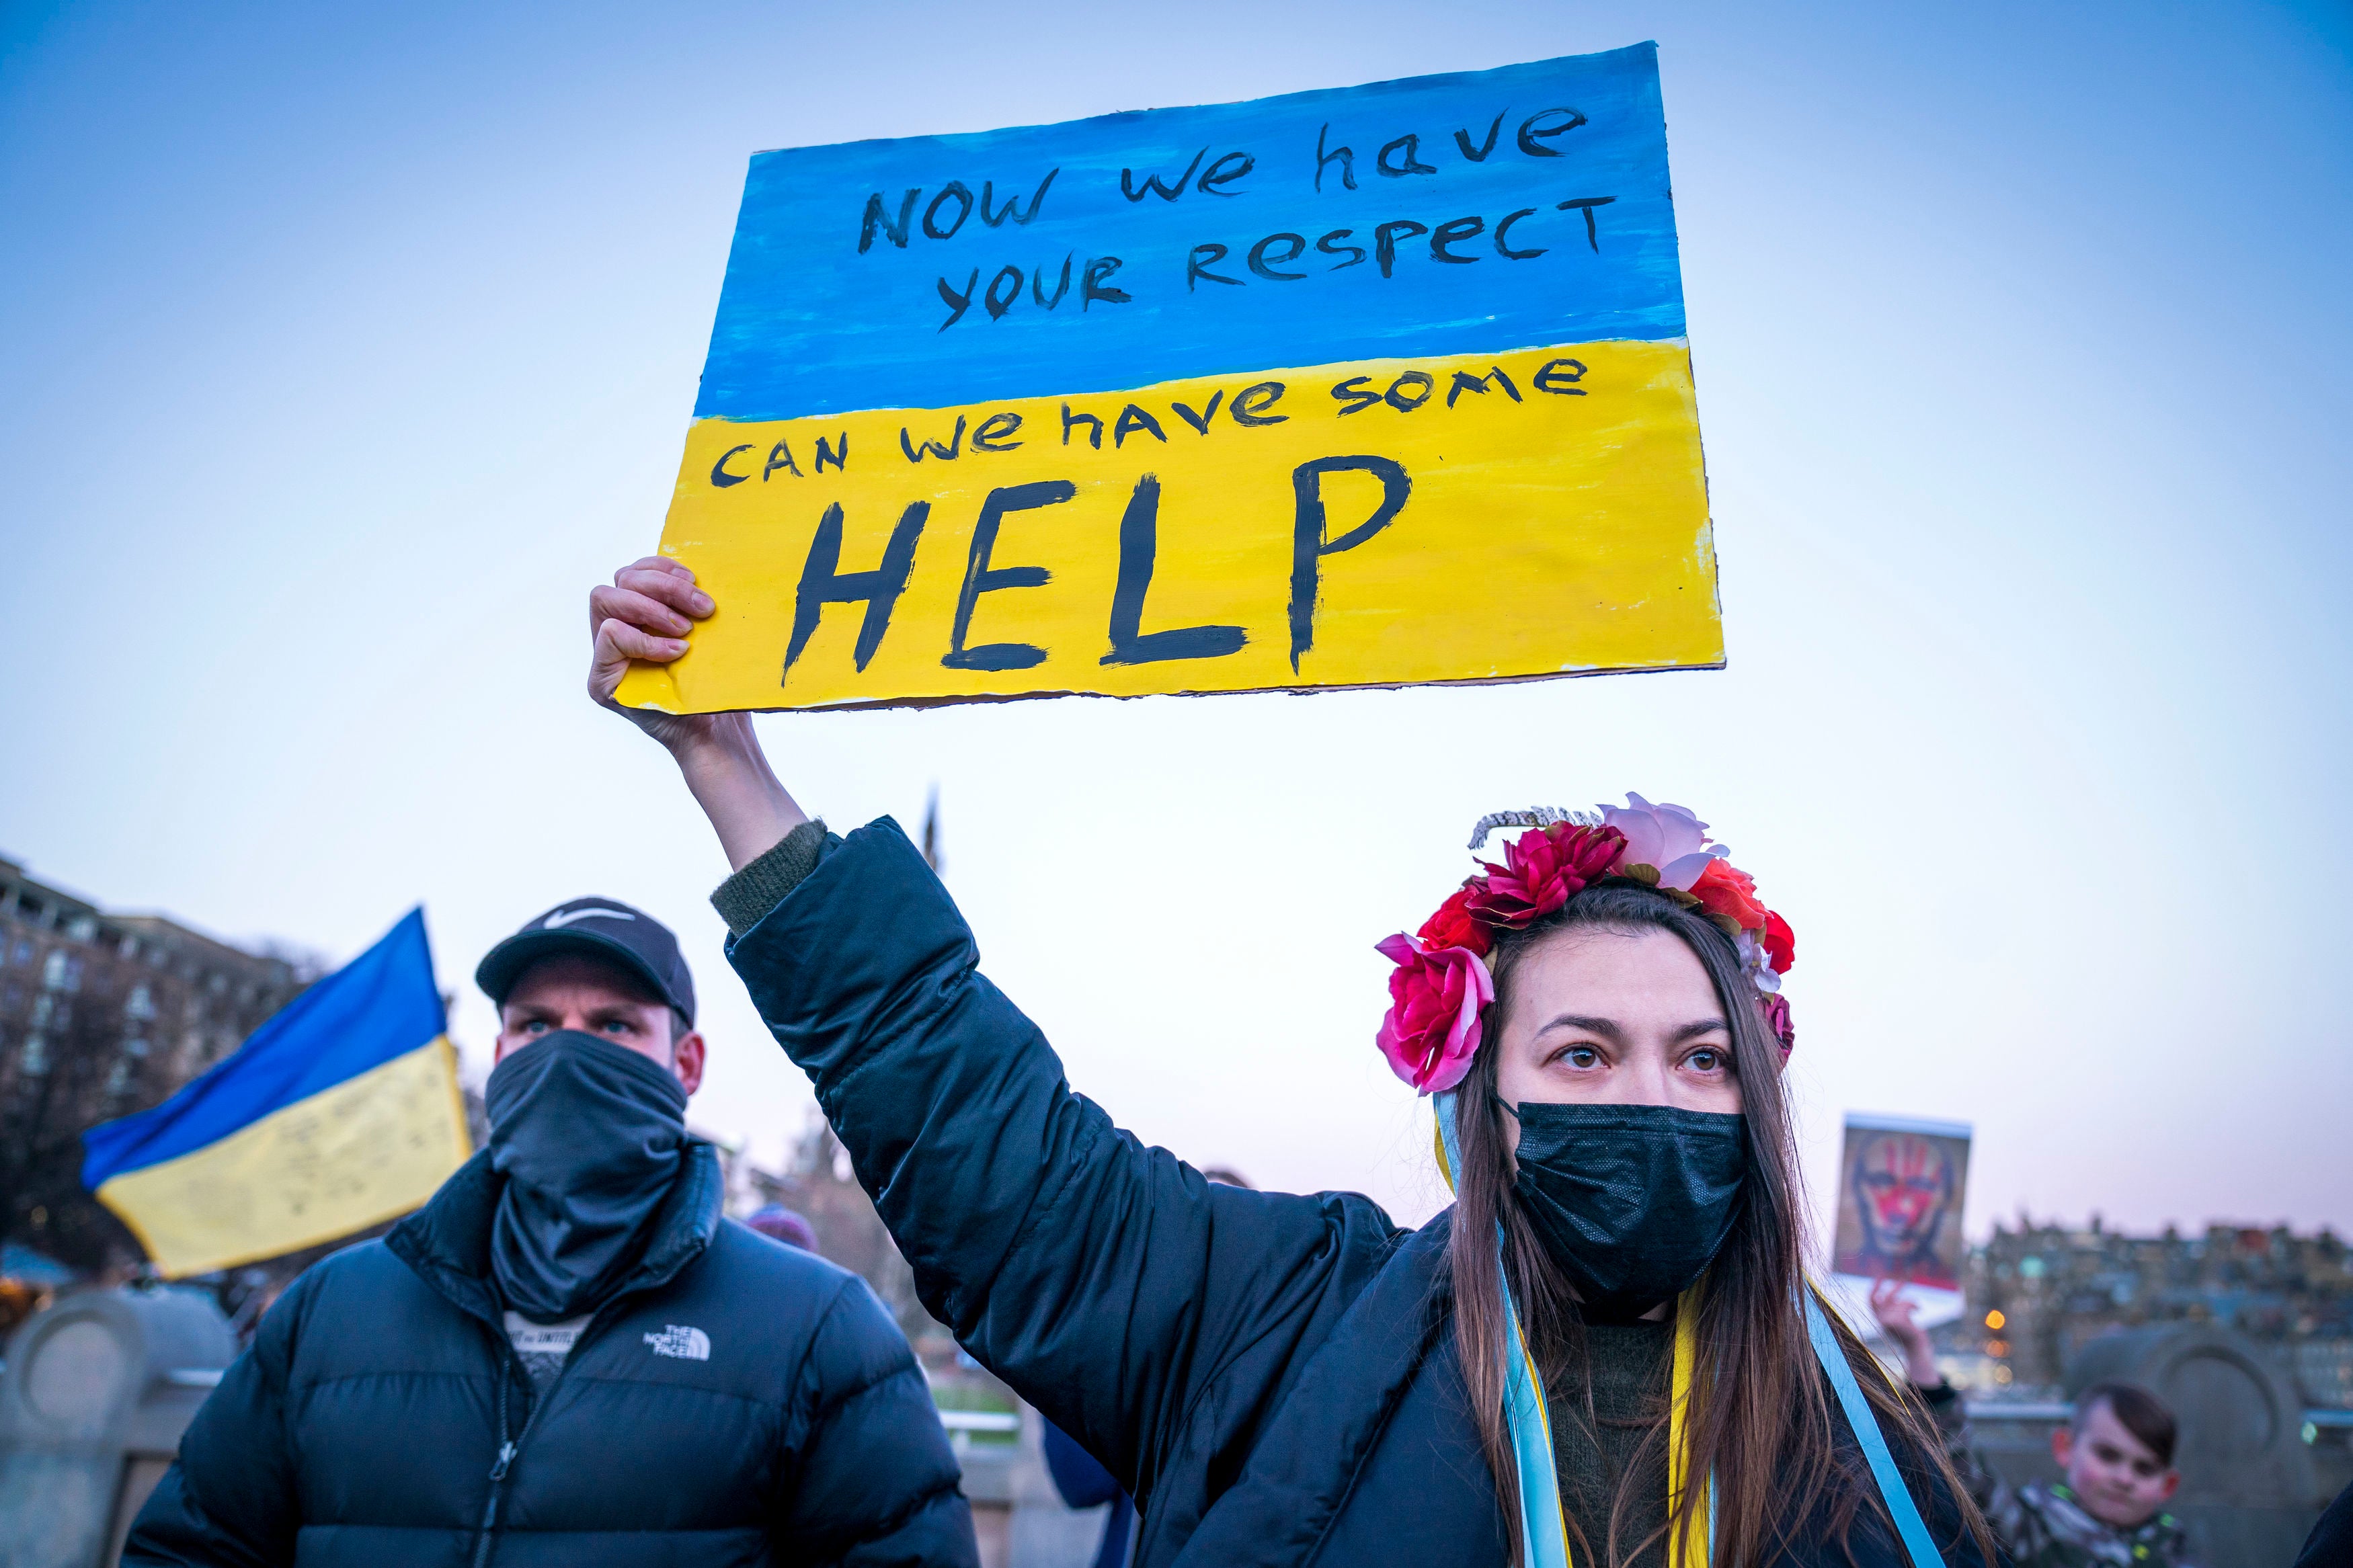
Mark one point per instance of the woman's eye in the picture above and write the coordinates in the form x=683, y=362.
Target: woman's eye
x=1706, y=1060
x=1581, y=1057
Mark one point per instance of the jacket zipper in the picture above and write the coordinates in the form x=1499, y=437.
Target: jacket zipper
x=499, y=1466
x=509, y=1448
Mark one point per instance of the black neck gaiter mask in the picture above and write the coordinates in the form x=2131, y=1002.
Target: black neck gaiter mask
x=1631, y=1202
x=590, y=1137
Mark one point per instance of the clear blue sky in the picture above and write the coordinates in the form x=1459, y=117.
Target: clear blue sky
x=341, y=347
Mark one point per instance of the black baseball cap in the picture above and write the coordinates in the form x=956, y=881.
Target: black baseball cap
x=601, y=928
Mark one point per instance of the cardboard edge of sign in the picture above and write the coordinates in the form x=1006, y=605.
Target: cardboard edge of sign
x=1882, y=1121
x=1298, y=690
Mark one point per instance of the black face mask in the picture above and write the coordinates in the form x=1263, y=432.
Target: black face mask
x=1630, y=1201
x=590, y=1137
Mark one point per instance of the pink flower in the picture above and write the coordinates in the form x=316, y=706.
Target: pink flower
x=1777, y=1018
x=1668, y=838
x=1542, y=868
x=1436, y=996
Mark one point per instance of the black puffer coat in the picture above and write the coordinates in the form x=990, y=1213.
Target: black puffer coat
x=1273, y=1377
x=737, y=1403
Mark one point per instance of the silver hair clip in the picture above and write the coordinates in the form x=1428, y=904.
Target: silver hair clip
x=1535, y=817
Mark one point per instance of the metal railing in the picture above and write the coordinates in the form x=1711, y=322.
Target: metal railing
x=980, y=1421
x=1982, y=1410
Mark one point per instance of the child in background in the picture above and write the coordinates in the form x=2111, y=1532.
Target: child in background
x=2117, y=1454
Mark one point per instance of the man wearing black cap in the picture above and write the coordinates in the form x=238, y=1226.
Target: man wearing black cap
x=567, y=1355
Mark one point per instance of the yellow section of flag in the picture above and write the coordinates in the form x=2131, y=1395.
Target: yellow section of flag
x=371, y=1147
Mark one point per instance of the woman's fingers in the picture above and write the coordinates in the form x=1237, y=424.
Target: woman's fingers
x=618, y=643
x=645, y=616
x=634, y=642
x=652, y=592
x=668, y=581
x=636, y=609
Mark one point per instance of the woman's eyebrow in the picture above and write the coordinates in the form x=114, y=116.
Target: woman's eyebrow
x=1606, y=1027
x=1698, y=1026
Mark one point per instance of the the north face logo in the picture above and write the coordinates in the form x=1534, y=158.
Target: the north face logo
x=684, y=1342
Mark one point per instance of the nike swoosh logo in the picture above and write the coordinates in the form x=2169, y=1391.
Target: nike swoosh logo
x=561, y=919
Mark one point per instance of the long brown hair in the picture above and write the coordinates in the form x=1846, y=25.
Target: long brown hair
x=1760, y=1422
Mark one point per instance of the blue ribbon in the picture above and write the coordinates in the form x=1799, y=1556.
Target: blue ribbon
x=1909, y=1525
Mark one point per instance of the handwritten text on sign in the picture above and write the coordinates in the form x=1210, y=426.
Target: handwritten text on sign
x=1348, y=388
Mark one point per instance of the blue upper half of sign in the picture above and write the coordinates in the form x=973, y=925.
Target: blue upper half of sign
x=380, y=1006
x=1489, y=210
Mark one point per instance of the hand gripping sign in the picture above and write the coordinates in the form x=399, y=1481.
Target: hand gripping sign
x=1363, y=387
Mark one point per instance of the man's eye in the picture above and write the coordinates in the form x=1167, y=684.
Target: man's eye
x=617, y=1026
x=536, y=1027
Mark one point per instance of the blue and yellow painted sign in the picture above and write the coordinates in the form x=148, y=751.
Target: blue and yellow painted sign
x=1363, y=387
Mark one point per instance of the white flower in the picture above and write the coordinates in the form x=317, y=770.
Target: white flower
x=1756, y=964
x=1669, y=838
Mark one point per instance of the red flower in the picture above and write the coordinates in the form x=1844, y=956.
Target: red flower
x=1437, y=996
x=1780, y=943
x=1722, y=891
x=1452, y=925
x=1543, y=870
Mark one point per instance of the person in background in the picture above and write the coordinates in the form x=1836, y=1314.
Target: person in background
x=778, y=1223
x=567, y=1355
x=1083, y=1482
x=2330, y=1544
x=2117, y=1454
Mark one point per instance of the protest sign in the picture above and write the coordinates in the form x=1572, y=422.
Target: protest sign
x=1902, y=1181
x=1362, y=387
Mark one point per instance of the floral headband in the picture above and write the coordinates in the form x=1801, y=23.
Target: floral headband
x=1441, y=988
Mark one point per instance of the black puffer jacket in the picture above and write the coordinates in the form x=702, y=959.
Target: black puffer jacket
x=1273, y=1377
x=737, y=1403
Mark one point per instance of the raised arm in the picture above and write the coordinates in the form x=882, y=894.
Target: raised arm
x=1107, y=1282
x=1992, y=1495
x=647, y=614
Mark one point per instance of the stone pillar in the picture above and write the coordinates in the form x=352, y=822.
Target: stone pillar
x=97, y=1389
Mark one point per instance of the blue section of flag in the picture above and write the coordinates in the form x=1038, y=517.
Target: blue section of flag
x=810, y=323
x=382, y=1005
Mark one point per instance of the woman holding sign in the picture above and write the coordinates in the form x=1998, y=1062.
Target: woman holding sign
x=1603, y=1354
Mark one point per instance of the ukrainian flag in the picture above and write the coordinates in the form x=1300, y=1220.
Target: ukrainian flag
x=341, y=1112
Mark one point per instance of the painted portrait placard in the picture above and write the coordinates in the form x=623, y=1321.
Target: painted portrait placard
x=1902, y=1182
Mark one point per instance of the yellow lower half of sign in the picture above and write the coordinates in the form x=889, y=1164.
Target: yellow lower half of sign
x=368, y=1149
x=1478, y=517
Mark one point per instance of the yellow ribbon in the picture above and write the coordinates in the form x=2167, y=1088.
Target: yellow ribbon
x=1698, y=1533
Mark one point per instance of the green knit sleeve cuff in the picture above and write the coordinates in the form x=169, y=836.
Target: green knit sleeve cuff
x=744, y=899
